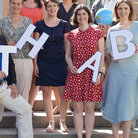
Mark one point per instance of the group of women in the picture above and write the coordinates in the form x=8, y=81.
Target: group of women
x=68, y=47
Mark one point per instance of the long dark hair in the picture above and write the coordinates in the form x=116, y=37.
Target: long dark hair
x=38, y=3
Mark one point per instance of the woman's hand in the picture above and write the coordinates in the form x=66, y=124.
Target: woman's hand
x=73, y=69
x=36, y=70
x=11, y=43
x=98, y=79
x=111, y=55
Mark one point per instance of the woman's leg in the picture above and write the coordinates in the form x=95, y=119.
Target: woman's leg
x=115, y=129
x=78, y=118
x=48, y=107
x=89, y=118
x=57, y=97
x=126, y=128
x=63, y=109
x=33, y=91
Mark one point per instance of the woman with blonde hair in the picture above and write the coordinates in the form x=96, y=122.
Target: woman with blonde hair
x=120, y=97
x=82, y=44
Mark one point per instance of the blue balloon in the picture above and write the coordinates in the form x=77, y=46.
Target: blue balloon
x=104, y=16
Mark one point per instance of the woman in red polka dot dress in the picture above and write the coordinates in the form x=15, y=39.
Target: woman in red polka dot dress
x=82, y=44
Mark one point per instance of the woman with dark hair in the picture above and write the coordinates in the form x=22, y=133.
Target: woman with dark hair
x=50, y=65
x=120, y=97
x=83, y=43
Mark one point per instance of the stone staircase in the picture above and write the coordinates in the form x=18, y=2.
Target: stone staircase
x=102, y=128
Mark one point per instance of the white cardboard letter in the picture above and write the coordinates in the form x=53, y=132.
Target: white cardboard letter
x=26, y=37
x=131, y=48
x=97, y=58
x=5, y=50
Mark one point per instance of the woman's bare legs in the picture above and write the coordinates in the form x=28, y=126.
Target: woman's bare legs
x=57, y=97
x=115, y=129
x=78, y=118
x=126, y=128
x=89, y=118
x=33, y=91
x=48, y=107
x=63, y=109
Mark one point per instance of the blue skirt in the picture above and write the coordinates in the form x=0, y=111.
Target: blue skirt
x=120, y=94
x=51, y=74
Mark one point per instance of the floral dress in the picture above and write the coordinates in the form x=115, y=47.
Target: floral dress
x=79, y=87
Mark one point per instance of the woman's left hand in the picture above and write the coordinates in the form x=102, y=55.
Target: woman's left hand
x=98, y=79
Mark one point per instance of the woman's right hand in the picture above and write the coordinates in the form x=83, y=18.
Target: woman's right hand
x=36, y=70
x=111, y=55
x=73, y=70
x=11, y=43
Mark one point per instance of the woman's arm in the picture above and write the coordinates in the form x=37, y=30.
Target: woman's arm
x=101, y=49
x=36, y=69
x=68, y=57
x=101, y=44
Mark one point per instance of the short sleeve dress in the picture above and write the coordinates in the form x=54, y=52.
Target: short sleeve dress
x=51, y=60
x=79, y=87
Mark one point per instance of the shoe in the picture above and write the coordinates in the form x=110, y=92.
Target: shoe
x=63, y=127
x=50, y=127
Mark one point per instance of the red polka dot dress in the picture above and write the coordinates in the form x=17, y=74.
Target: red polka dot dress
x=79, y=87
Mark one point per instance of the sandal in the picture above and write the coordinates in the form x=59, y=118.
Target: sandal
x=50, y=127
x=63, y=127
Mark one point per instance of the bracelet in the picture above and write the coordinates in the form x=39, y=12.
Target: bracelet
x=100, y=72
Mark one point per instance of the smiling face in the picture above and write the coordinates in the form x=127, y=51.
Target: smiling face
x=52, y=8
x=123, y=11
x=15, y=6
x=82, y=17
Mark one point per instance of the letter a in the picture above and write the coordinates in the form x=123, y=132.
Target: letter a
x=97, y=58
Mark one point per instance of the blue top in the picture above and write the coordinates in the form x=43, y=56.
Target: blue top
x=54, y=47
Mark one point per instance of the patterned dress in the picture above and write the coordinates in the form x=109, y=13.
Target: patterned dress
x=79, y=87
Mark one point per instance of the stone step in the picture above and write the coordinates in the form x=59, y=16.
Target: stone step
x=41, y=133
x=40, y=120
x=38, y=104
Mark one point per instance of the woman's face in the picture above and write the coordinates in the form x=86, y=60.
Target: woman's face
x=123, y=11
x=15, y=6
x=82, y=17
x=52, y=8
